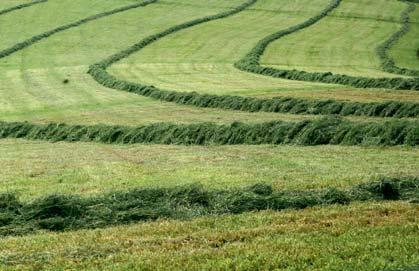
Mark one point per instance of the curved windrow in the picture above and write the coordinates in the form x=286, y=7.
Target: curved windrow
x=387, y=63
x=284, y=105
x=251, y=63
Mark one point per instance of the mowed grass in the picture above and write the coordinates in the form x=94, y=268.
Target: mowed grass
x=33, y=169
x=200, y=59
x=328, y=45
x=406, y=51
x=6, y=4
x=361, y=237
x=32, y=87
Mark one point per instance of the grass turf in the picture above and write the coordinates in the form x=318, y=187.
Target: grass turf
x=324, y=238
x=32, y=169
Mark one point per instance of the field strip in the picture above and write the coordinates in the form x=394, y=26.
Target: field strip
x=329, y=130
x=72, y=212
x=282, y=105
x=236, y=239
x=251, y=63
x=388, y=63
x=21, y=6
x=22, y=45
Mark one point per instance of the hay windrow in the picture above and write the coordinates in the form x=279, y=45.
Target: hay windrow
x=71, y=212
x=329, y=130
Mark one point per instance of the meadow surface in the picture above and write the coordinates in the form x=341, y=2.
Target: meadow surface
x=47, y=81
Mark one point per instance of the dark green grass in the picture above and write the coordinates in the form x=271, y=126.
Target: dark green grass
x=329, y=130
x=59, y=212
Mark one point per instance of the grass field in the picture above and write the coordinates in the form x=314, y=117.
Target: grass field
x=47, y=81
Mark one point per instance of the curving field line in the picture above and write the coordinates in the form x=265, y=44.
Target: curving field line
x=22, y=45
x=21, y=6
x=251, y=63
x=280, y=105
x=387, y=63
x=389, y=133
x=283, y=105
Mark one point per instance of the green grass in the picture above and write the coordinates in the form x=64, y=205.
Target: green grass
x=320, y=238
x=32, y=82
x=187, y=61
x=33, y=169
x=360, y=236
x=6, y=4
x=326, y=46
x=405, y=52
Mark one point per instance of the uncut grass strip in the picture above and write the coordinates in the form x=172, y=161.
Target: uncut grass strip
x=72, y=212
x=251, y=63
x=387, y=63
x=24, y=44
x=325, y=131
x=21, y=6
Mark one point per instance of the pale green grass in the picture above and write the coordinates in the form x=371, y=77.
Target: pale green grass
x=25, y=23
x=405, y=51
x=343, y=42
x=34, y=168
x=201, y=58
x=32, y=86
x=358, y=237
x=5, y=4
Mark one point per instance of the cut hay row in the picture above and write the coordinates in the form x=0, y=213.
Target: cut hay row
x=24, y=44
x=330, y=130
x=277, y=105
x=251, y=63
x=21, y=6
x=61, y=212
x=282, y=105
x=387, y=63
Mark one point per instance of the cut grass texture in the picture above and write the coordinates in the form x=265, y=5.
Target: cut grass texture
x=387, y=63
x=65, y=55
x=59, y=213
x=22, y=45
x=329, y=130
x=283, y=105
x=327, y=238
x=251, y=63
x=21, y=6
x=32, y=169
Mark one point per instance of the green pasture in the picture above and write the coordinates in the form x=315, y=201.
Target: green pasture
x=48, y=82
